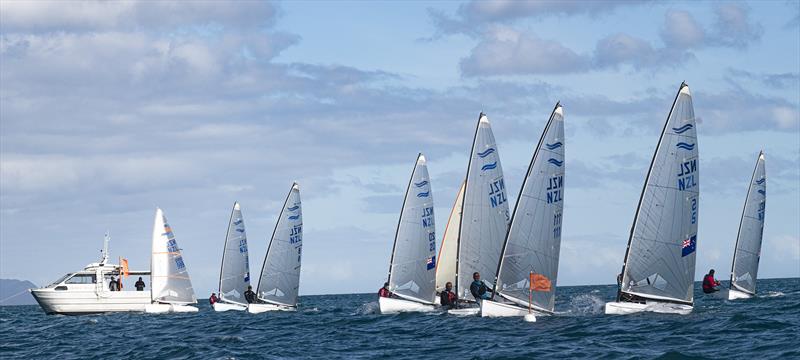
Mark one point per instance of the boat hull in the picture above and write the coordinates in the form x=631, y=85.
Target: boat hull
x=159, y=308
x=734, y=294
x=394, y=306
x=472, y=310
x=223, y=306
x=626, y=308
x=261, y=308
x=491, y=308
x=77, y=302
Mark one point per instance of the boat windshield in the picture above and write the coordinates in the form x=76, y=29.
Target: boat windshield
x=60, y=280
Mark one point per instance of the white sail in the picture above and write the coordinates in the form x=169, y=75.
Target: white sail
x=280, y=274
x=534, y=238
x=170, y=281
x=446, y=261
x=234, y=275
x=660, y=259
x=751, y=229
x=485, y=215
x=413, y=262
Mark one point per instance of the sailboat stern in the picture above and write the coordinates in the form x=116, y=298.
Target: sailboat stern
x=394, y=306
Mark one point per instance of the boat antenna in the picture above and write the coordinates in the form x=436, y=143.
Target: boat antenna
x=104, y=252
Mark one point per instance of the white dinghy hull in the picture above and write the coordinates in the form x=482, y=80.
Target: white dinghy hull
x=261, y=308
x=626, y=308
x=394, y=306
x=158, y=308
x=736, y=294
x=470, y=311
x=224, y=306
x=491, y=308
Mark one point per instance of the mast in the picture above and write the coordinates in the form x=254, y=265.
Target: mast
x=524, y=182
x=644, y=187
x=400, y=218
x=741, y=220
x=464, y=197
x=104, y=257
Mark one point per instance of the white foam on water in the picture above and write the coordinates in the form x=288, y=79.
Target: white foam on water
x=585, y=304
x=773, y=294
x=368, y=308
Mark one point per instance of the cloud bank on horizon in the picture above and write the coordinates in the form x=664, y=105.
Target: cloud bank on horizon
x=109, y=109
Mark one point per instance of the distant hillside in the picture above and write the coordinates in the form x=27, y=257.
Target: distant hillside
x=15, y=292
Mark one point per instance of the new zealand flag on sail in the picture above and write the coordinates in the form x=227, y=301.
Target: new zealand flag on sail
x=432, y=262
x=689, y=245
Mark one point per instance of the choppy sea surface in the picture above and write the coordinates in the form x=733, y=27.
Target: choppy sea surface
x=348, y=326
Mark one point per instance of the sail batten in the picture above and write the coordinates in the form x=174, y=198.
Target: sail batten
x=412, y=265
x=484, y=215
x=280, y=274
x=533, y=241
x=170, y=282
x=747, y=251
x=660, y=258
x=234, y=276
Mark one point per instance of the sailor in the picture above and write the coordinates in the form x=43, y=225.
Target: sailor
x=478, y=288
x=113, y=285
x=709, y=283
x=384, y=291
x=213, y=299
x=250, y=296
x=448, y=298
x=139, y=284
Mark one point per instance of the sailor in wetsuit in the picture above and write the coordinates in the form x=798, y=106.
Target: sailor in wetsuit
x=709, y=283
x=478, y=288
x=250, y=296
x=448, y=298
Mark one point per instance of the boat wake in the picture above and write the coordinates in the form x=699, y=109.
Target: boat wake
x=771, y=294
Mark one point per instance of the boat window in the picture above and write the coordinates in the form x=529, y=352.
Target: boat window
x=60, y=280
x=82, y=279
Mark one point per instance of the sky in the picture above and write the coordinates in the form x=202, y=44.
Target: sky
x=111, y=109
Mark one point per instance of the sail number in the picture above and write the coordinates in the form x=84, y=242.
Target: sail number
x=556, y=225
x=427, y=222
x=555, y=189
x=694, y=210
x=761, y=211
x=497, y=193
x=243, y=245
x=296, y=234
x=686, y=179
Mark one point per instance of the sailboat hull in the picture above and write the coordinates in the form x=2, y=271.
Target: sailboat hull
x=393, y=306
x=261, y=308
x=159, y=308
x=626, y=308
x=736, y=294
x=491, y=308
x=223, y=306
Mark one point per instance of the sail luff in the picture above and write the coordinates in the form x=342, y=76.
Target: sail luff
x=271, y=240
x=225, y=248
x=235, y=269
x=456, y=289
x=280, y=275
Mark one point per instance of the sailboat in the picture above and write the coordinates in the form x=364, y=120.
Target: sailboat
x=484, y=217
x=658, y=271
x=412, y=266
x=446, y=260
x=171, y=288
x=748, y=242
x=234, y=273
x=280, y=275
x=526, y=277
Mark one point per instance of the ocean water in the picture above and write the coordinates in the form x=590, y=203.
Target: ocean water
x=348, y=326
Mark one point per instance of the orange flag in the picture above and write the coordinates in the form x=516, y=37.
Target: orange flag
x=540, y=282
x=124, y=264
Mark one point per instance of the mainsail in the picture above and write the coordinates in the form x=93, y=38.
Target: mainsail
x=751, y=228
x=534, y=238
x=413, y=262
x=660, y=258
x=170, y=281
x=446, y=261
x=484, y=216
x=280, y=274
x=234, y=275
